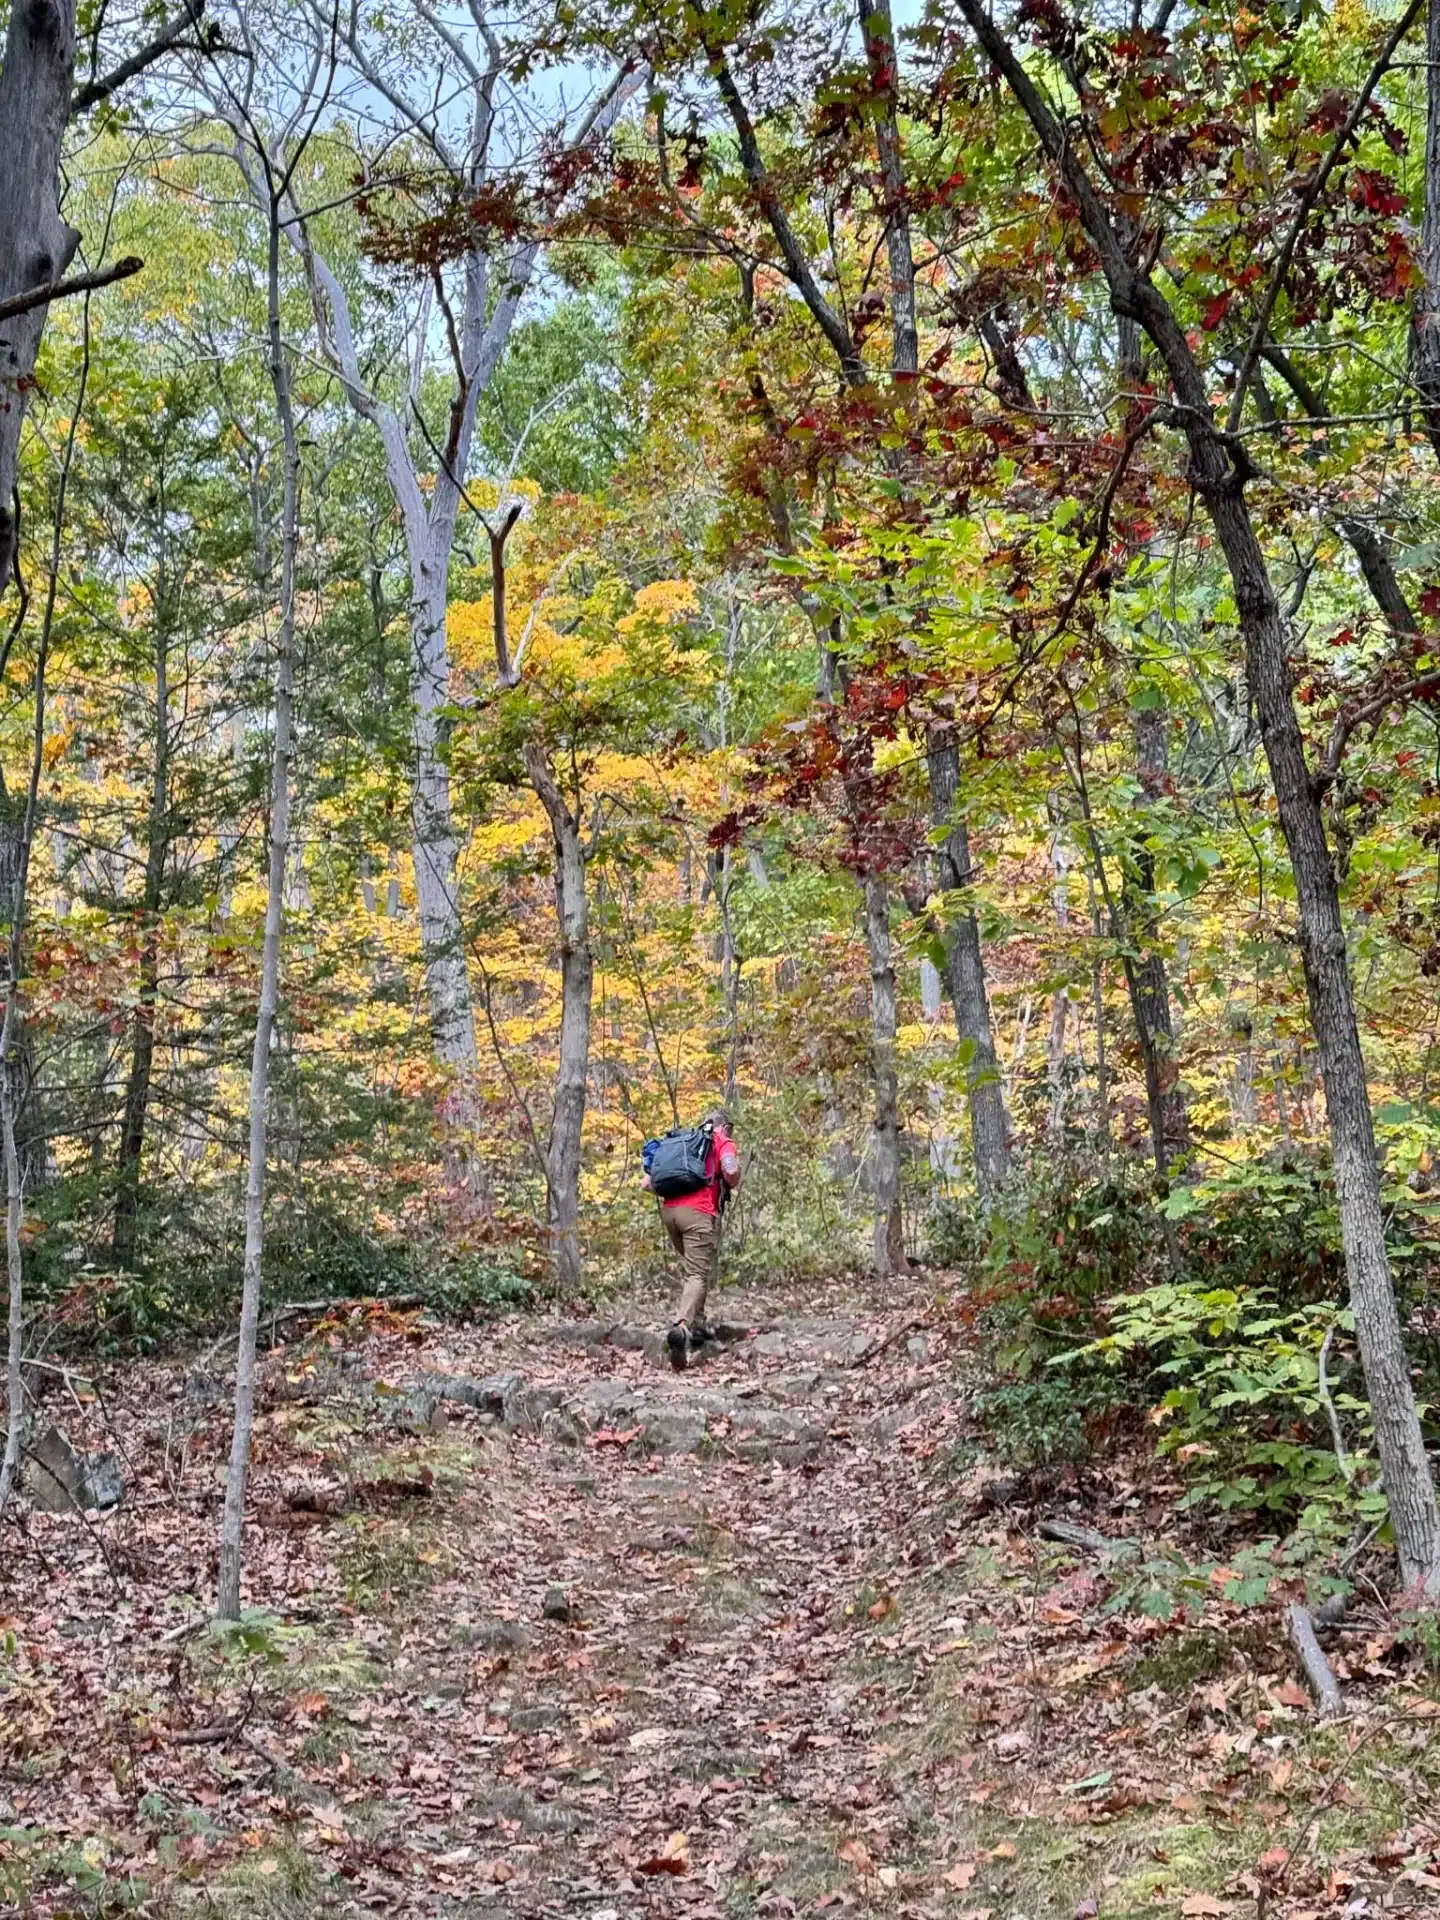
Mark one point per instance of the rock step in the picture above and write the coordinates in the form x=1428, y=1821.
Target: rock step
x=693, y=1421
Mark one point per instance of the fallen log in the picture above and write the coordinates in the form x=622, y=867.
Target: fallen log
x=1318, y=1672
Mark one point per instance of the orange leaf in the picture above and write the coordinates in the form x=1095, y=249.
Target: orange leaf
x=858, y=1856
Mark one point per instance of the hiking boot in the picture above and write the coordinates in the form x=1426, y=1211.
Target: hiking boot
x=677, y=1345
x=700, y=1334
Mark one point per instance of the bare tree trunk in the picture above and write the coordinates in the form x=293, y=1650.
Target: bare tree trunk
x=1220, y=484
x=16, y=881
x=965, y=976
x=142, y=1059
x=232, y=1526
x=572, y=919
x=442, y=934
x=1427, y=300
x=885, y=1160
x=36, y=245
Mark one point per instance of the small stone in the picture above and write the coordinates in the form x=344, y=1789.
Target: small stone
x=497, y=1636
x=536, y=1719
x=556, y=1606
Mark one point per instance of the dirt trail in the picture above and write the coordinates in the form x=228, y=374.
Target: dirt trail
x=539, y=1628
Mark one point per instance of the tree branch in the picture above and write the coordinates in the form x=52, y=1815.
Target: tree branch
x=95, y=92
x=49, y=290
x=1314, y=188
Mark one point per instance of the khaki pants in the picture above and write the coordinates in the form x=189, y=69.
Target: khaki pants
x=695, y=1236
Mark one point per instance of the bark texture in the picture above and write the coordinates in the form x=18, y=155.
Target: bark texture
x=885, y=1158
x=36, y=244
x=1218, y=473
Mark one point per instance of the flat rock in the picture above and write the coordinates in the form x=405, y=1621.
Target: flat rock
x=486, y=1396
x=832, y=1340
x=60, y=1480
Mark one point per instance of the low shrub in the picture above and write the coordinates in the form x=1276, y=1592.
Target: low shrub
x=1240, y=1404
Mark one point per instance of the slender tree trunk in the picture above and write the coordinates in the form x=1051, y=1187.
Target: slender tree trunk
x=232, y=1526
x=880, y=56
x=15, y=1278
x=885, y=1159
x=1220, y=484
x=1097, y=991
x=1145, y=972
x=15, y=881
x=965, y=976
x=965, y=968
x=142, y=1059
x=442, y=933
x=572, y=919
x=1059, y=1002
x=1244, y=1113
x=1427, y=301
x=36, y=245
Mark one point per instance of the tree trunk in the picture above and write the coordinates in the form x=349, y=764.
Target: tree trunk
x=442, y=933
x=1244, y=1111
x=232, y=1528
x=14, y=1270
x=885, y=1159
x=572, y=919
x=35, y=243
x=965, y=976
x=1220, y=483
x=142, y=1059
x=1060, y=856
x=880, y=56
x=1427, y=300
x=1145, y=970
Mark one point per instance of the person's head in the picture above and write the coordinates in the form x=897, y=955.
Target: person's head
x=718, y=1117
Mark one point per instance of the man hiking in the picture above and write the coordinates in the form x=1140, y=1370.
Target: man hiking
x=693, y=1171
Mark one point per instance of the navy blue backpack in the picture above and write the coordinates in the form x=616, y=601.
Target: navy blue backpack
x=678, y=1161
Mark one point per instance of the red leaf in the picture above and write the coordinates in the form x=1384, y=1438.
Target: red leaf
x=1216, y=309
x=1376, y=192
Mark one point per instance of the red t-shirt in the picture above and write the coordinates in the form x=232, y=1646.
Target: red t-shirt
x=707, y=1199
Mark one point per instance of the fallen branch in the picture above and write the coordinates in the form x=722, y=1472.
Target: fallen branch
x=886, y=1341
x=1070, y=1533
x=49, y=290
x=397, y=1303
x=218, y=1736
x=1323, y=1684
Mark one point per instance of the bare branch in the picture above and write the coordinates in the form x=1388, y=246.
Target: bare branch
x=49, y=290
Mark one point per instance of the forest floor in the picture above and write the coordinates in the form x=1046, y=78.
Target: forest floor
x=539, y=1628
